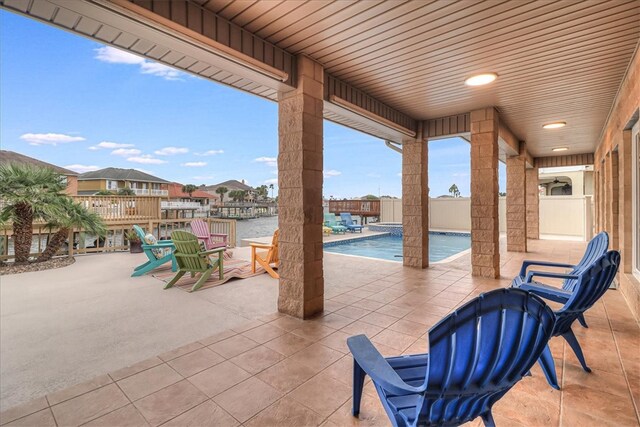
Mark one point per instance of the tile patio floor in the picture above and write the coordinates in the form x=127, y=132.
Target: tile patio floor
x=280, y=371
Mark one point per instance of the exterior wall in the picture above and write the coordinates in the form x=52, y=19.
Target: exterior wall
x=559, y=215
x=533, y=204
x=92, y=185
x=616, y=137
x=72, y=185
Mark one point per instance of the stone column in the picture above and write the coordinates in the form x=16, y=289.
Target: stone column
x=415, y=203
x=485, y=232
x=517, y=201
x=533, y=204
x=300, y=162
x=615, y=206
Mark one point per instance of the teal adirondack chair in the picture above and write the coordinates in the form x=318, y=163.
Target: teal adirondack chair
x=331, y=222
x=192, y=259
x=157, y=254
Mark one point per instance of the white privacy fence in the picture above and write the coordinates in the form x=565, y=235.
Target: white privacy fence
x=570, y=216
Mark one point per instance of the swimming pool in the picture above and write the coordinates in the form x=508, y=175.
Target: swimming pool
x=389, y=247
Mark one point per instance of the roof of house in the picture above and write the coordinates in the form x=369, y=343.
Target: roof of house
x=232, y=184
x=175, y=191
x=17, y=158
x=118, y=174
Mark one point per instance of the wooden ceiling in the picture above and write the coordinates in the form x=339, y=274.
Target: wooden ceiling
x=556, y=60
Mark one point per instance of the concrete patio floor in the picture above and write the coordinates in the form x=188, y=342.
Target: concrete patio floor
x=225, y=356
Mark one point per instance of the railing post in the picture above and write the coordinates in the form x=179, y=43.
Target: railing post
x=70, y=243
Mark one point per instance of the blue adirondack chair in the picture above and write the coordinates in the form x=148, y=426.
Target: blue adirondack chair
x=331, y=222
x=348, y=222
x=595, y=249
x=157, y=254
x=591, y=284
x=476, y=354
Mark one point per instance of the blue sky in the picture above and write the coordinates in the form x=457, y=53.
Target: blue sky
x=73, y=102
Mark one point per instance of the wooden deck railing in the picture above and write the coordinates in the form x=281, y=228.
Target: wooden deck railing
x=119, y=208
x=355, y=207
x=114, y=239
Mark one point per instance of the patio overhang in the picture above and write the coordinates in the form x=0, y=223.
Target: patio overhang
x=397, y=71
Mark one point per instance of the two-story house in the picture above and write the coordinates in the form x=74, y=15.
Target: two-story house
x=70, y=177
x=115, y=179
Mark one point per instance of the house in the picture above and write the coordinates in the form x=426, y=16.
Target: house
x=70, y=177
x=231, y=185
x=185, y=205
x=566, y=181
x=115, y=179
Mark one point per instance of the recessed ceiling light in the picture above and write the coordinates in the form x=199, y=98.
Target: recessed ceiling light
x=481, y=79
x=559, y=149
x=554, y=125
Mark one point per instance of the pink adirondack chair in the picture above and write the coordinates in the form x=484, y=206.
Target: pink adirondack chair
x=211, y=240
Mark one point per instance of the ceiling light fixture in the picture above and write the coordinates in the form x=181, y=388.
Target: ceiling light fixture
x=481, y=79
x=554, y=125
x=560, y=149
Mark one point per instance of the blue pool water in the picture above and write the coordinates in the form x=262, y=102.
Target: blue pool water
x=389, y=247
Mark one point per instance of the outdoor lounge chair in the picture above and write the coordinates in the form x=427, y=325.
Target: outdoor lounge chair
x=476, y=354
x=157, y=253
x=331, y=222
x=590, y=286
x=595, y=249
x=211, y=240
x=192, y=259
x=348, y=222
x=267, y=259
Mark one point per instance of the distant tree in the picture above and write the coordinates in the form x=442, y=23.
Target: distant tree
x=388, y=197
x=271, y=187
x=222, y=191
x=262, y=191
x=189, y=189
x=126, y=192
x=502, y=193
x=453, y=190
x=238, y=195
x=104, y=193
x=370, y=197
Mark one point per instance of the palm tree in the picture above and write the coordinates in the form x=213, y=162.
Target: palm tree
x=271, y=187
x=453, y=190
x=189, y=189
x=126, y=192
x=222, y=191
x=74, y=215
x=28, y=193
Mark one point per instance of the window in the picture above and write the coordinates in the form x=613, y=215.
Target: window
x=635, y=191
x=112, y=185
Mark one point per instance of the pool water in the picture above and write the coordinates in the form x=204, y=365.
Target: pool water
x=389, y=247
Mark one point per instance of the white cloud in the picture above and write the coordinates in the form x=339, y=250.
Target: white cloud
x=269, y=161
x=146, y=160
x=109, y=145
x=112, y=55
x=49, y=138
x=82, y=168
x=399, y=174
x=126, y=152
x=210, y=153
x=331, y=172
x=170, y=151
x=116, y=56
x=194, y=164
x=273, y=181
